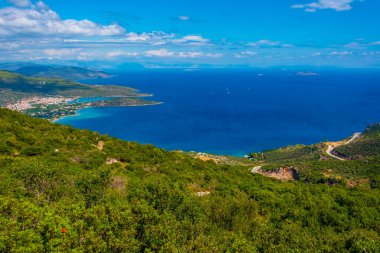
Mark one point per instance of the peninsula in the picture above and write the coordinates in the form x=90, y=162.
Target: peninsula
x=52, y=98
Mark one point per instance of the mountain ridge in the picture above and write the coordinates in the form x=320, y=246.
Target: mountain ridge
x=64, y=72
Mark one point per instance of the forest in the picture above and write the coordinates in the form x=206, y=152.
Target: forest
x=69, y=190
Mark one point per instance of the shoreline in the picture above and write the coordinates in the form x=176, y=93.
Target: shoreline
x=55, y=120
x=204, y=155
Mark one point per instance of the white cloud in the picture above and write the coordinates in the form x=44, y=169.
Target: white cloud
x=307, y=74
x=268, y=44
x=20, y=3
x=39, y=19
x=194, y=40
x=156, y=38
x=159, y=53
x=184, y=18
x=59, y=53
x=245, y=54
x=339, y=53
x=265, y=43
x=135, y=37
x=191, y=54
x=32, y=31
x=116, y=54
x=151, y=38
x=5, y=45
x=355, y=45
x=338, y=5
x=144, y=37
x=167, y=54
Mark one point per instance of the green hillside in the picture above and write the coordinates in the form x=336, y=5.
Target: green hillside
x=297, y=152
x=68, y=190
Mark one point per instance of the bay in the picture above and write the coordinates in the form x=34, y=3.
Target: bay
x=235, y=112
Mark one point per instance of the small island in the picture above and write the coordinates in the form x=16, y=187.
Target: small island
x=53, y=98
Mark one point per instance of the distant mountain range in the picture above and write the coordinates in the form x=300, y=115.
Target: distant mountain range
x=64, y=72
x=70, y=73
x=48, y=86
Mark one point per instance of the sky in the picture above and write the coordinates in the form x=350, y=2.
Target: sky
x=192, y=33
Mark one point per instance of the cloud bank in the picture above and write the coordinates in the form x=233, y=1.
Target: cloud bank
x=338, y=5
x=25, y=18
x=32, y=31
x=20, y=3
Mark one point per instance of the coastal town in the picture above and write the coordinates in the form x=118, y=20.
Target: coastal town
x=30, y=103
x=55, y=107
x=47, y=107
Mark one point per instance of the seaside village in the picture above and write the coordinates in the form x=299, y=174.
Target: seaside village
x=45, y=107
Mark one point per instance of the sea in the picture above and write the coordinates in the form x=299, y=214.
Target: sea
x=236, y=112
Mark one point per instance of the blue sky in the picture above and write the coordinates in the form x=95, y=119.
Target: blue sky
x=192, y=33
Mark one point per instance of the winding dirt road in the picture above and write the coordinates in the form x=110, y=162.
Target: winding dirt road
x=329, y=151
x=256, y=169
x=354, y=137
x=331, y=148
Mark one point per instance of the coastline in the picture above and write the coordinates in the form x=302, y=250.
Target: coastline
x=55, y=120
x=218, y=157
x=253, y=120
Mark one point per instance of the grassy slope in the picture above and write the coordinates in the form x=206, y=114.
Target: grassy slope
x=298, y=152
x=55, y=179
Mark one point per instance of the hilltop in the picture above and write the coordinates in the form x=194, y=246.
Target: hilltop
x=63, y=189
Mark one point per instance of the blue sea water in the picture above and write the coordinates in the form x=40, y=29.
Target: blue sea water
x=235, y=112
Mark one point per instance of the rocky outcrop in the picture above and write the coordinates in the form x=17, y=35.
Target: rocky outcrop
x=285, y=174
x=111, y=161
x=203, y=194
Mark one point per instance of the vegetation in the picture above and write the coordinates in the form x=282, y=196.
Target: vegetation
x=68, y=190
x=298, y=152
